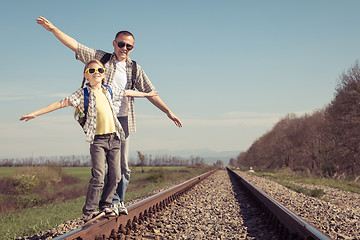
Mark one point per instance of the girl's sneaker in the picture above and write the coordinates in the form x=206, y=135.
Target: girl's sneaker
x=90, y=216
x=110, y=212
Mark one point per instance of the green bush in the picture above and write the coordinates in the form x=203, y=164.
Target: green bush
x=318, y=193
x=25, y=183
x=34, y=186
x=157, y=176
x=28, y=178
x=328, y=169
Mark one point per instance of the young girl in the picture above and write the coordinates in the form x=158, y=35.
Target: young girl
x=103, y=131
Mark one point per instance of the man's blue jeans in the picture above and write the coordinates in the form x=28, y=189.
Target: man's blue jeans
x=119, y=195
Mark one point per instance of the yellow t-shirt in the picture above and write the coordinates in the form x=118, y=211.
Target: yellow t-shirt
x=104, y=118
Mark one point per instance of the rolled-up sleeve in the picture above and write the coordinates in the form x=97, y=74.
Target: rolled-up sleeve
x=85, y=54
x=76, y=97
x=142, y=82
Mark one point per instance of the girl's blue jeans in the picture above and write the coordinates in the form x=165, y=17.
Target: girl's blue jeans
x=119, y=195
x=105, y=153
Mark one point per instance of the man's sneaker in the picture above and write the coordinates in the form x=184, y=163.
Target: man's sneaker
x=90, y=216
x=110, y=211
x=122, y=209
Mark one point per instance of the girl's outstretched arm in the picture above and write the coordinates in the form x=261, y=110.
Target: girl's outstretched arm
x=52, y=107
x=132, y=93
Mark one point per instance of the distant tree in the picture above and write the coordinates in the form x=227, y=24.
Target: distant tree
x=240, y=159
x=343, y=118
x=196, y=160
x=219, y=163
x=232, y=162
x=294, y=143
x=142, y=160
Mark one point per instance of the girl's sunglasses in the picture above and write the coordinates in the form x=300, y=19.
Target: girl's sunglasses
x=122, y=44
x=93, y=70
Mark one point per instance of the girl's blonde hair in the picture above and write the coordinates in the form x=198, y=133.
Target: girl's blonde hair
x=87, y=65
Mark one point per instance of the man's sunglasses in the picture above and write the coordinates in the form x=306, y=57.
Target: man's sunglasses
x=122, y=44
x=93, y=70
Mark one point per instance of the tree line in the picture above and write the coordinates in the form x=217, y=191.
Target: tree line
x=64, y=161
x=85, y=161
x=325, y=143
x=166, y=160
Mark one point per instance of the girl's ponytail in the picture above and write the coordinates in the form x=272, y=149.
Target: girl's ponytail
x=83, y=82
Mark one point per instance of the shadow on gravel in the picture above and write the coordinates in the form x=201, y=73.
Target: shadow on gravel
x=254, y=219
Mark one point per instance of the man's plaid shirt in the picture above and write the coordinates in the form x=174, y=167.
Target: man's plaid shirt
x=76, y=99
x=142, y=82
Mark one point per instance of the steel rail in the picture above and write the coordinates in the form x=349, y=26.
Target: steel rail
x=287, y=223
x=109, y=228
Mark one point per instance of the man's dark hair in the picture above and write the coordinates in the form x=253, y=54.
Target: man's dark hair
x=126, y=33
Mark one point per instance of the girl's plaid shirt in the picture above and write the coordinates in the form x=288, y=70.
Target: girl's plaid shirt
x=142, y=82
x=76, y=99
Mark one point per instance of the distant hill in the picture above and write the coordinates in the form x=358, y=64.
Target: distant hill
x=209, y=156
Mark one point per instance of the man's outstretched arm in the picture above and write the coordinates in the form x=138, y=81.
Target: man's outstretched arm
x=156, y=100
x=64, y=38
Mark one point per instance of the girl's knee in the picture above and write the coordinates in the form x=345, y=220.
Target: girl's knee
x=115, y=179
x=97, y=182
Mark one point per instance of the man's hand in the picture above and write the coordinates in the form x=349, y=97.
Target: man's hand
x=175, y=119
x=64, y=38
x=156, y=100
x=45, y=23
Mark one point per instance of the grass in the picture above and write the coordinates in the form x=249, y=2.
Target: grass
x=318, y=193
x=83, y=173
x=8, y=171
x=37, y=219
x=40, y=218
x=285, y=179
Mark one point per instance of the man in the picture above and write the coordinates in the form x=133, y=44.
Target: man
x=119, y=69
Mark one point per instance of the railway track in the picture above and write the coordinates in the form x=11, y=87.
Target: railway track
x=284, y=223
x=111, y=228
x=287, y=224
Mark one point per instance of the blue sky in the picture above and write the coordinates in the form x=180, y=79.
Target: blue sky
x=228, y=69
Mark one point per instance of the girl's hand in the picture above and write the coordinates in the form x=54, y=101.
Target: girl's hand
x=28, y=117
x=152, y=94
